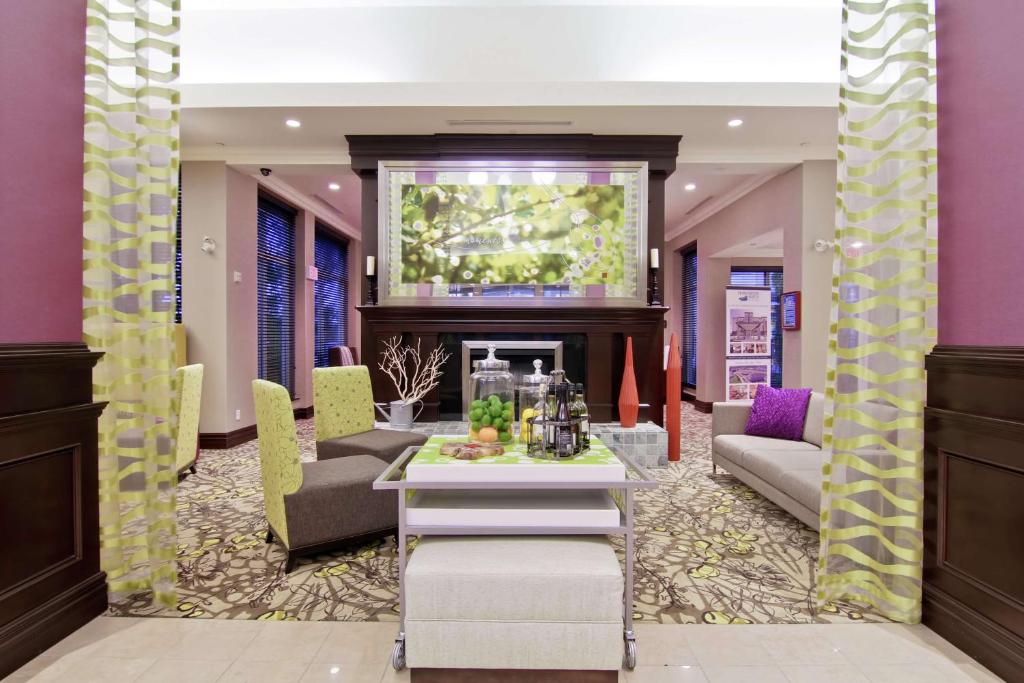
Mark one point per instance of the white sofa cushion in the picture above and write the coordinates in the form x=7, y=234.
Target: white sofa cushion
x=733, y=446
x=773, y=465
x=514, y=578
x=814, y=422
x=804, y=486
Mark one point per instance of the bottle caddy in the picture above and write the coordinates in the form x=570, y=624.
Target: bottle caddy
x=561, y=426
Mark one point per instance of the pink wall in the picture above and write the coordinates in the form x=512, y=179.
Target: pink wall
x=42, y=70
x=776, y=204
x=981, y=152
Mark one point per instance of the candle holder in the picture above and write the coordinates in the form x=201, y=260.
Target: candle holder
x=653, y=296
x=371, y=290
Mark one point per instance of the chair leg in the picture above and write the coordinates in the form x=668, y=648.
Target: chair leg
x=270, y=536
x=289, y=565
x=714, y=468
x=192, y=468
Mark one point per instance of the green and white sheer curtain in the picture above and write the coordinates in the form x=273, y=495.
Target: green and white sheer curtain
x=883, y=309
x=130, y=177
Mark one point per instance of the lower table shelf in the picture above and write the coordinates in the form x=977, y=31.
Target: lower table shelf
x=584, y=508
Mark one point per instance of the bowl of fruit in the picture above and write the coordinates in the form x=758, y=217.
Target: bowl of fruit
x=490, y=420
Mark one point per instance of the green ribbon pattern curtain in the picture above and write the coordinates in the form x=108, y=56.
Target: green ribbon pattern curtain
x=883, y=309
x=130, y=177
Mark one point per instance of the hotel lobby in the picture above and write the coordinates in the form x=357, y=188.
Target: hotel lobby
x=486, y=340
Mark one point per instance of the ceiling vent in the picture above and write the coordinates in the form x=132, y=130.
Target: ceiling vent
x=505, y=123
x=699, y=205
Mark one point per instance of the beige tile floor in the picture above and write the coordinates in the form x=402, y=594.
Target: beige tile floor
x=115, y=649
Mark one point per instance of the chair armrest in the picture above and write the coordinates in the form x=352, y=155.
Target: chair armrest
x=729, y=417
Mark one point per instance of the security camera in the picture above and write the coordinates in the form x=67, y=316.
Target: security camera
x=266, y=171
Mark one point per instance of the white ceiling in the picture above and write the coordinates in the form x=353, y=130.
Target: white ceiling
x=678, y=67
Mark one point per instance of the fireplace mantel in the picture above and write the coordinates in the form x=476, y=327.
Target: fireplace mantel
x=605, y=328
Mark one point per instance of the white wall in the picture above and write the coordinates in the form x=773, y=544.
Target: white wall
x=219, y=314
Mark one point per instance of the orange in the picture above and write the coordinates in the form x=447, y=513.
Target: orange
x=488, y=434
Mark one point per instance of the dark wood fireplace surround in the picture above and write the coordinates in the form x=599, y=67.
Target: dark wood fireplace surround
x=605, y=328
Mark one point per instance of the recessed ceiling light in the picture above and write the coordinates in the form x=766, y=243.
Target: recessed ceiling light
x=689, y=187
x=334, y=186
x=735, y=123
x=293, y=123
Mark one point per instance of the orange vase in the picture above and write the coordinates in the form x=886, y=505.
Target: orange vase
x=673, y=396
x=629, y=399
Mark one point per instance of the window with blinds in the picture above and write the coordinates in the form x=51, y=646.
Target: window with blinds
x=177, y=255
x=688, y=337
x=766, y=277
x=275, y=292
x=330, y=295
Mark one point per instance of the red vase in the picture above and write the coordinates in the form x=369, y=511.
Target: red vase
x=629, y=399
x=673, y=397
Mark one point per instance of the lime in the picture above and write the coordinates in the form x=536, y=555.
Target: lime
x=475, y=425
x=486, y=420
x=498, y=423
x=508, y=405
x=494, y=398
x=477, y=404
x=504, y=436
x=476, y=414
x=506, y=415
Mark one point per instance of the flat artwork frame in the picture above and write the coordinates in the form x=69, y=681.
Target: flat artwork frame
x=631, y=291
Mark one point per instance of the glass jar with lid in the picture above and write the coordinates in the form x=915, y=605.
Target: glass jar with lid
x=491, y=395
x=532, y=388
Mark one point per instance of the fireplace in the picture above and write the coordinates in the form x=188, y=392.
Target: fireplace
x=519, y=354
x=593, y=342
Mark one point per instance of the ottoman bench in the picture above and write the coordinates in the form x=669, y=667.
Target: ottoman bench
x=514, y=602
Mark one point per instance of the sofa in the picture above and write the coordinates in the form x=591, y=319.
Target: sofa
x=788, y=473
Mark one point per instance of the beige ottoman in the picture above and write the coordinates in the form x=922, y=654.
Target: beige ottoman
x=514, y=602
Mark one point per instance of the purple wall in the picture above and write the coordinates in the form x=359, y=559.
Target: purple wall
x=981, y=163
x=42, y=70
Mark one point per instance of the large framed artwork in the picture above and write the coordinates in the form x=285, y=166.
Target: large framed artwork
x=526, y=233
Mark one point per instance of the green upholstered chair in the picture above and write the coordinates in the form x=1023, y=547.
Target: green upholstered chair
x=343, y=411
x=314, y=506
x=188, y=393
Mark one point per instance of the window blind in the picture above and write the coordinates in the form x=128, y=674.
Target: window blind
x=275, y=291
x=330, y=295
x=688, y=347
x=766, y=277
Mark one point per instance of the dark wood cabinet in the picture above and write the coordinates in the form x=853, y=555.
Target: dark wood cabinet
x=974, y=503
x=50, y=578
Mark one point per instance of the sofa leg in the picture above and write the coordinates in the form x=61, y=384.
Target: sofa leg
x=289, y=564
x=270, y=536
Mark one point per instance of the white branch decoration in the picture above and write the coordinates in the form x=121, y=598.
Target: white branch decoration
x=400, y=360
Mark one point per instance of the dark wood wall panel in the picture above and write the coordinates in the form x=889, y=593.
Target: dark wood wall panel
x=974, y=503
x=50, y=578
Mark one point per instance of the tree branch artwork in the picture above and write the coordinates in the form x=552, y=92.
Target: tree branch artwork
x=412, y=375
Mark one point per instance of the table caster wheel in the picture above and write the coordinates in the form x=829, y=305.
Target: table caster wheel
x=630, y=654
x=398, y=655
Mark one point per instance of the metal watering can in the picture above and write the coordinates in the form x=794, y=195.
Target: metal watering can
x=400, y=415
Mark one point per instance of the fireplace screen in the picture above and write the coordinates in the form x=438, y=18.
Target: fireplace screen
x=475, y=232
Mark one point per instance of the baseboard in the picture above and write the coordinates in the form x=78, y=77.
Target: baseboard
x=510, y=676
x=36, y=631
x=304, y=413
x=222, y=440
x=995, y=648
x=702, y=406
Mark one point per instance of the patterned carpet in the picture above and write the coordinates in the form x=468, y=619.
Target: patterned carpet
x=709, y=549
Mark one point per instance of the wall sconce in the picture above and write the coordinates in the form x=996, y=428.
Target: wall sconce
x=821, y=246
x=209, y=245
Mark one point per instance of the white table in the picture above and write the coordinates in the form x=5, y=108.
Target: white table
x=515, y=495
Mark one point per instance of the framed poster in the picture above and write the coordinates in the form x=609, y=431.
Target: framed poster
x=791, y=310
x=748, y=320
x=743, y=376
x=520, y=233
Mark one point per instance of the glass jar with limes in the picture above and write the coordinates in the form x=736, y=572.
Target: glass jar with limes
x=491, y=407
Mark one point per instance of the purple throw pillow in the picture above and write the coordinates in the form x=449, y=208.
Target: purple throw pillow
x=778, y=413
